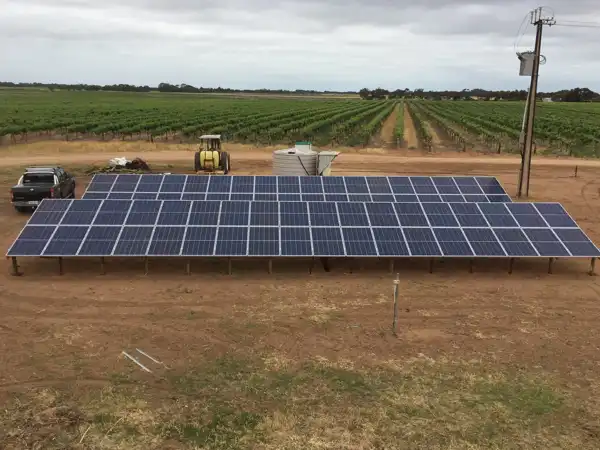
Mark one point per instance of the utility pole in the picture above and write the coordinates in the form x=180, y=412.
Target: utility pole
x=525, y=172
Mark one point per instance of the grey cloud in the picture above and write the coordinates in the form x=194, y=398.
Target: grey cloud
x=343, y=44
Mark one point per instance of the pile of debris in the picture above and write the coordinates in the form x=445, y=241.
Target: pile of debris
x=123, y=165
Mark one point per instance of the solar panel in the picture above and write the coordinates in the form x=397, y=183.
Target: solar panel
x=244, y=228
x=293, y=188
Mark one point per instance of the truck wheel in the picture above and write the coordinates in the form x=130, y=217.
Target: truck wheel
x=197, y=162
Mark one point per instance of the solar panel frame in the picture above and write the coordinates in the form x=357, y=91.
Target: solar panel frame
x=578, y=245
x=359, y=188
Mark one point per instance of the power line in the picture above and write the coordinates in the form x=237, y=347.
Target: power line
x=573, y=25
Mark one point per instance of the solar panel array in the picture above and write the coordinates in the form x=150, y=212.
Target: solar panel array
x=256, y=228
x=399, y=189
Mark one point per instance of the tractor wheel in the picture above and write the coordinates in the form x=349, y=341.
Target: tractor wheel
x=197, y=167
x=225, y=162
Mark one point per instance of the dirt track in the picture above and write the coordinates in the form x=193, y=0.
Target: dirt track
x=376, y=156
x=58, y=329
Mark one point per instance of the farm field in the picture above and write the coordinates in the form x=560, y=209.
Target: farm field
x=295, y=361
x=489, y=127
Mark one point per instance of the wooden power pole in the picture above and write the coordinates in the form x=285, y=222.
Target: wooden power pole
x=525, y=172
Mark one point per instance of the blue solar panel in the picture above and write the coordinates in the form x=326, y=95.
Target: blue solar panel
x=265, y=185
x=515, y=242
x=468, y=215
x=263, y=241
x=296, y=242
x=545, y=242
x=199, y=241
x=293, y=188
x=359, y=242
x=356, y=185
x=327, y=242
x=264, y=214
x=166, y=241
x=242, y=184
x=353, y=215
x=379, y=185
x=204, y=213
x=484, y=242
x=234, y=213
x=324, y=214
x=65, y=241
x=174, y=213
x=440, y=215
x=311, y=185
x=240, y=228
x=99, y=241
x=133, y=241
x=497, y=215
x=410, y=214
x=422, y=242
x=452, y=242
x=577, y=242
x=232, y=241
x=293, y=214
x=390, y=242
x=219, y=184
x=382, y=215
x=288, y=185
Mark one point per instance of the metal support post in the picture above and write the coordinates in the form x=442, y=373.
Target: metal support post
x=395, y=322
x=471, y=264
x=392, y=265
x=188, y=267
x=102, y=267
x=550, y=262
x=431, y=265
x=592, y=267
x=270, y=266
x=146, y=265
x=15, y=267
x=511, y=261
x=60, y=266
x=229, y=266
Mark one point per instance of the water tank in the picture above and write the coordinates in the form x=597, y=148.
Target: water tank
x=295, y=161
x=324, y=160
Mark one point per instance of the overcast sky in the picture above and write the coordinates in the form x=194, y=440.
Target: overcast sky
x=295, y=44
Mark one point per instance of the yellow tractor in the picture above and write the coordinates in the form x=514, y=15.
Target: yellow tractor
x=210, y=158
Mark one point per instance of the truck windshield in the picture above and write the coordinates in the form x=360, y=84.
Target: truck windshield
x=38, y=178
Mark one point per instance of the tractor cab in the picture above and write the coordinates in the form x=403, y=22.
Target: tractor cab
x=210, y=158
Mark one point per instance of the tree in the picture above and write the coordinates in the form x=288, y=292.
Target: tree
x=365, y=94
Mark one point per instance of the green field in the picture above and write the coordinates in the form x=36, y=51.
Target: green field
x=102, y=115
x=560, y=128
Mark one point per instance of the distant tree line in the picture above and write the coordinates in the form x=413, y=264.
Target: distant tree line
x=162, y=87
x=567, y=95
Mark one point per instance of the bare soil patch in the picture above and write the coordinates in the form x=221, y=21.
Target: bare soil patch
x=298, y=361
x=410, y=135
x=387, y=133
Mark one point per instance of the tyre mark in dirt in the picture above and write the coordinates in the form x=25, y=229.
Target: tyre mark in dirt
x=585, y=197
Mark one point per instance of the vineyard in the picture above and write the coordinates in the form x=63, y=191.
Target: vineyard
x=486, y=126
x=82, y=115
x=560, y=128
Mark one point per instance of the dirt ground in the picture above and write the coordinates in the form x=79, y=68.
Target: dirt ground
x=295, y=360
x=386, y=135
x=410, y=134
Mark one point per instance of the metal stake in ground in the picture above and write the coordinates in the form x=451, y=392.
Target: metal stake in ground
x=395, y=322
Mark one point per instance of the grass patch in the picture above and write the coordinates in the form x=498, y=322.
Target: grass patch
x=241, y=401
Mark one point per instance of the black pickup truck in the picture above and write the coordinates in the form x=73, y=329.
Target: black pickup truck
x=38, y=183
